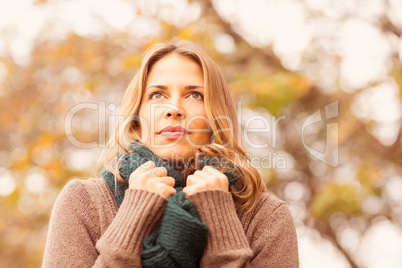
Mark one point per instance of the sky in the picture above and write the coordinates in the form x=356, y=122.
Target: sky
x=287, y=26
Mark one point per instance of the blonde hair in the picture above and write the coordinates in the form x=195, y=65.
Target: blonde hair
x=220, y=112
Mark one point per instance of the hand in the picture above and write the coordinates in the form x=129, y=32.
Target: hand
x=208, y=178
x=153, y=179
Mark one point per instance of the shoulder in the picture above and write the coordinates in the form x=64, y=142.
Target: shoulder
x=91, y=186
x=73, y=192
x=84, y=193
x=268, y=212
x=88, y=202
x=78, y=189
x=268, y=203
x=79, y=185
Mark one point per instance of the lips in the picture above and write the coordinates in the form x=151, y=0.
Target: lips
x=174, y=129
x=172, y=133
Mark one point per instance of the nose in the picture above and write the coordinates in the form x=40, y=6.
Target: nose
x=173, y=113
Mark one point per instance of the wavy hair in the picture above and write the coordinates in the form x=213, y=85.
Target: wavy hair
x=220, y=112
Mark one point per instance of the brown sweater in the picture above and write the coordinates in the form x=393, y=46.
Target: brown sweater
x=88, y=230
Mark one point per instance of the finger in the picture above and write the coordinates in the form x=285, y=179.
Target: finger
x=164, y=190
x=189, y=190
x=145, y=167
x=194, y=179
x=202, y=174
x=141, y=169
x=158, y=171
x=211, y=170
x=214, y=171
x=165, y=180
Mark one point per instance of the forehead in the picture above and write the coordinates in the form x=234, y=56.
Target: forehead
x=174, y=64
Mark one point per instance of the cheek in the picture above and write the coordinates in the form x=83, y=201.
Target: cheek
x=201, y=130
x=145, y=122
x=199, y=123
x=198, y=119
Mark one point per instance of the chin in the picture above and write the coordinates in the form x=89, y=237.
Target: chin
x=173, y=149
x=175, y=152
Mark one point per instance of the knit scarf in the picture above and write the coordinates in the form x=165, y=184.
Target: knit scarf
x=181, y=237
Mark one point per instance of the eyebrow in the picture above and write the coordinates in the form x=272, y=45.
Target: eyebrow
x=188, y=87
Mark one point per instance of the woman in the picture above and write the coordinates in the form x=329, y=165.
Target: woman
x=180, y=208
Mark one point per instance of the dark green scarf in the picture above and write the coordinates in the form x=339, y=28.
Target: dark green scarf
x=180, y=239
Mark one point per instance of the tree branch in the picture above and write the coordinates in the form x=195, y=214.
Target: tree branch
x=209, y=11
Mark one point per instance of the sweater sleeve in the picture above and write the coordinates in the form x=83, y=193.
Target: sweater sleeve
x=227, y=243
x=74, y=221
x=270, y=241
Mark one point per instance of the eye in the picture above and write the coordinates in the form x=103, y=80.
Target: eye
x=155, y=95
x=197, y=95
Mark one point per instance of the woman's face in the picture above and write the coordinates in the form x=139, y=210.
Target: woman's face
x=174, y=97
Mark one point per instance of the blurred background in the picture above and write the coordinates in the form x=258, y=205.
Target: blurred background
x=317, y=82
